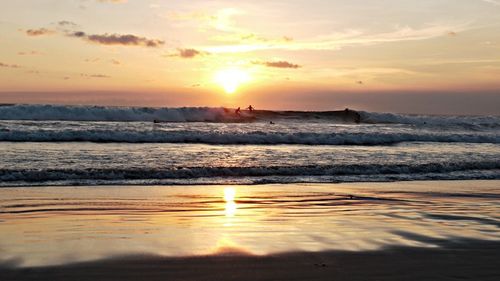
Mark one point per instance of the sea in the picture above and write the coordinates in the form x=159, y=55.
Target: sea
x=92, y=183
x=59, y=145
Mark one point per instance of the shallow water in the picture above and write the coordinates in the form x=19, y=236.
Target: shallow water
x=59, y=225
x=89, y=145
x=84, y=163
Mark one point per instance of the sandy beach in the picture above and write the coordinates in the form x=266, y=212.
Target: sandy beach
x=249, y=140
x=465, y=260
x=429, y=230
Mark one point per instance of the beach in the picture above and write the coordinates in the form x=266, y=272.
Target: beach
x=249, y=140
x=469, y=260
x=434, y=230
x=107, y=193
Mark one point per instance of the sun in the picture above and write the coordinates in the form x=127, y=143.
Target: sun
x=231, y=78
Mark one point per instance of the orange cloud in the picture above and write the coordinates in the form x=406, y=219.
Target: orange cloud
x=118, y=39
x=9, y=65
x=94, y=75
x=278, y=64
x=39, y=32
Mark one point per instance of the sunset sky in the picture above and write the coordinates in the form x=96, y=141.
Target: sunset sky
x=427, y=56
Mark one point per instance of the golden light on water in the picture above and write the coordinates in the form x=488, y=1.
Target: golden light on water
x=231, y=79
x=229, y=196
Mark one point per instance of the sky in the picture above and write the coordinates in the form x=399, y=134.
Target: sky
x=426, y=56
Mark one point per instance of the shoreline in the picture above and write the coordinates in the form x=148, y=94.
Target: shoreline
x=349, y=183
x=410, y=230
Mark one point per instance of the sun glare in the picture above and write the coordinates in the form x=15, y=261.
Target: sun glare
x=229, y=195
x=230, y=79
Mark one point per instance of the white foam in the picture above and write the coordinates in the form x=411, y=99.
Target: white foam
x=485, y=169
x=102, y=113
x=466, y=121
x=252, y=137
x=207, y=114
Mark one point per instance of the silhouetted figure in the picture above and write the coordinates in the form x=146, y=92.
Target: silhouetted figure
x=156, y=121
x=271, y=122
x=250, y=108
x=238, y=111
x=357, y=119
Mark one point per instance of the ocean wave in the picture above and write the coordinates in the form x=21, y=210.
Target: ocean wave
x=238, y=137
x=207, y=114
x=43, y=175
x=436, y=120
x=106, y=113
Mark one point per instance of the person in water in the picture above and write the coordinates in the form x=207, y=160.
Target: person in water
x=250, y=108
x=238, y=111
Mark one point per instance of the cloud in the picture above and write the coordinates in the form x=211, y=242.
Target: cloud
x=92, y=60
x=31, y=53
x=9, y=65
x=221, y=20
x=277, y=64
x=339, y=40
x=94, y=75
x=249, y=38
x=188, y=53
x=494, y=2
x=66, y=23
x=77, y=34
x=39, y=32
x=117, y=39
x=97, y=60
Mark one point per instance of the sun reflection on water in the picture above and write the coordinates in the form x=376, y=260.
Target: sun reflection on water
x=230, y=206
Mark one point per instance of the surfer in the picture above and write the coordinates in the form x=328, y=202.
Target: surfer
x=237, y=111
x=250, y=108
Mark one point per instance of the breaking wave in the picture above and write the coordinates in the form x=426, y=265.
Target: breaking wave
x=189, y=173
x=440, y=120
x=103, y=113
x=207, y=114
x=252, y=137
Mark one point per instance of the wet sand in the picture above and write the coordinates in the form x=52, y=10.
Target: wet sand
x=464, y=260
x=431, y=230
